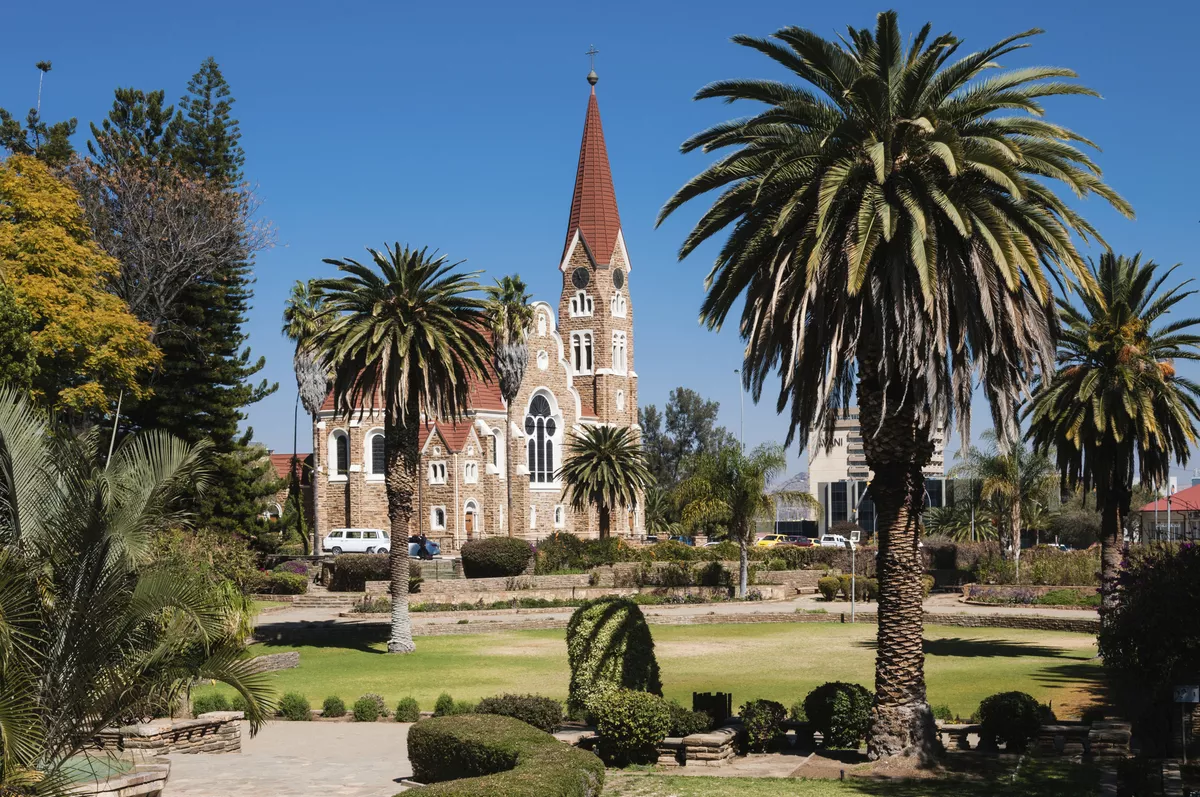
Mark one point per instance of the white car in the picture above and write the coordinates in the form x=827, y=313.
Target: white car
x=833, y=541
x=356, y=541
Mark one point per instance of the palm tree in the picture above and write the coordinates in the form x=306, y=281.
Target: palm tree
x=658, y=512
x=1012, y=481
x=730, y=487
x=1116, y=404
x=892, y=226
x=94, y=632
x=509, y=316
x=303, y=317
x=604, y=468
x=404, y=332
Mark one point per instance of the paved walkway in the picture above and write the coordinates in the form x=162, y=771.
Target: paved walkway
x=288, y=759
x=938, y=603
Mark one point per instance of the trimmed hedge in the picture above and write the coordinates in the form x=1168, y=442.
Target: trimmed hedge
x=1011, y=717
x=840, y=711
x=408, y=710
x=543, y=713
x=334, y=706
x=210, y=702
x=495, y=557
x=276, y=582
x=685, y=722
x=609, y=645
x=294, y=706
x=352, y=571
x=487, y=755
x=762, y=723
x=630, y=725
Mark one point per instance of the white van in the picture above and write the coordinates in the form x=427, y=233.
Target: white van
x=356, y=541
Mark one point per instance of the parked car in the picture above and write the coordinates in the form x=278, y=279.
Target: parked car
x=833, y=541
x=432, y=548
x=712, y=543
x=651, y=539
x=770, y=540
x=683, y=539
x=340, y=541
x=801, y=541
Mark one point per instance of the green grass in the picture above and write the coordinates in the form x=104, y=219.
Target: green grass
x=775, y=661
x=1029, y=779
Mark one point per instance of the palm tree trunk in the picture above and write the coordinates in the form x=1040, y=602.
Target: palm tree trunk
x=403, y=454
x=1014, y=531
x=901, y=720
x=744, y=565
x=507, y=470
x=1114, y=508
x=312, y=480
x=605, y=521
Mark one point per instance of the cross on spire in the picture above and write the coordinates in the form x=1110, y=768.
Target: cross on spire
x=592, y=76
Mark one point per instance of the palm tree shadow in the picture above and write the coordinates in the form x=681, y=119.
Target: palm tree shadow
x=323, y=634
x=981, y=648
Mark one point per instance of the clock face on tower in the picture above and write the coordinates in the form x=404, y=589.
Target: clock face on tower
x=580, y=277
x=618, y=278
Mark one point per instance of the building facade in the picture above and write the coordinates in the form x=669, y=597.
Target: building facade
x=580, y=373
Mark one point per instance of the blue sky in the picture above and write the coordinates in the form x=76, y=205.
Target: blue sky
x=457, y=125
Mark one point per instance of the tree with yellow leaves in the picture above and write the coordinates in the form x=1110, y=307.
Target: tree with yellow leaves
x=87, y=345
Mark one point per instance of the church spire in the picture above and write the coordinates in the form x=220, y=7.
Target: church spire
x=594, y=204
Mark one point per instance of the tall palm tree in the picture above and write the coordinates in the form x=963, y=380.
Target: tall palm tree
x=1013, y=481
x=892, y=222
x=730, y=487
x=303, y=317
x=658, y=512
x=509, y=317
x=405, y=333
x=606, y=469
x=1116, y=405
x=93, y=632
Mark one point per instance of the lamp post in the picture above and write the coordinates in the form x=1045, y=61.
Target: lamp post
x=742, y=411
x=853, y=572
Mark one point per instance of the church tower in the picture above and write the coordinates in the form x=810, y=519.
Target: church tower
x=595, y=312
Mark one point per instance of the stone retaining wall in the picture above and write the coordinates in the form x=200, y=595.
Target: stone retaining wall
x=214, y=732
x=801, y=581
x=147, y=779
x=449, y=594
x=1104, y=739
x=276, y=661
x=713, y=749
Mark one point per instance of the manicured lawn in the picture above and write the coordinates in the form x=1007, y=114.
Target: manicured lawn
x=777, y=661
x=1030, y=779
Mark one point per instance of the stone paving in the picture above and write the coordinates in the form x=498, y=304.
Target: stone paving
x=287, y=759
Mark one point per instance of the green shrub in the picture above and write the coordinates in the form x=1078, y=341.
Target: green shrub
x=366, y=709
x=670, y=551
x=762, y=722
x=444, y=705
x=609, y=644
x=840, y=711
x=543, y=713
x=1068, y=597
x=797, y=713
x=280, y=583
x=1010, y=717
x=869, y=588
x=927, y=583
x=379, y=703
x=685, y=722
x=238, y=703
x=291, y=566
x=352, y=571
x=214, y=701
x=493, y=756
x=630, y=725
x=495, y=557
x=294, y=706
x=829, y=587
x=333, y=706
x=559, y=551
x=408, y=710
x=844, y=586
x=942, y=712
x=725, y=551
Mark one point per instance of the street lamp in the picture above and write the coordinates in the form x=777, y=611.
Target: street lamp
x=742, y=412
x=853, y=572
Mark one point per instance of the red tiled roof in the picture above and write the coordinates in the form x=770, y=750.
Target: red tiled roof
x=482, y=396
x=280, y=463
x=1185, y=500
x=454, y=434
x=594, y=204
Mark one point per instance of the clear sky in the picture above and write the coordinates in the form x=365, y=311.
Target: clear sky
x=457, y=126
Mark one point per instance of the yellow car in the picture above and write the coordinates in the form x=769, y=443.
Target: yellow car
x=771, y=540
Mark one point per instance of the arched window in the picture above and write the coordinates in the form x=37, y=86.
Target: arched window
x=375, y=449
x=495, y=447
x=618, y=306
x=581, y=352
x=340, y=461
x=620, y=360
x=581, y=304
x=540, y=428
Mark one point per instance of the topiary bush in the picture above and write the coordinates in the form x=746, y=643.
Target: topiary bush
x=489, y=755
x=762, y=723
x=333, y=706
x=408, y=710
x=630, y=724
x=495, y=557
x=609, y=644
x=366, y=709
x=840, y=711
x=287, y=584
x=352, y=571
x=213, y=701
x=444, y=705
x=543, y=713
x=685, y=722
x=559, y=551
x=1010, y=717
x=829, y=586
x=294, y=706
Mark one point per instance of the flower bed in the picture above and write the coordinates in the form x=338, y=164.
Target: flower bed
x=1014, y=595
